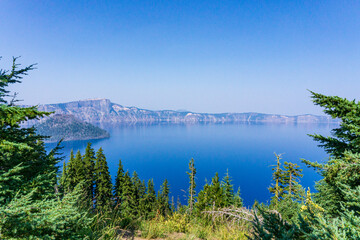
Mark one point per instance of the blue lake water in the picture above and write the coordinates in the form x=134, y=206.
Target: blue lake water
x=246, y=150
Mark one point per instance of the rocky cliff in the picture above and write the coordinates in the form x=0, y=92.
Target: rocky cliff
x=102, y=111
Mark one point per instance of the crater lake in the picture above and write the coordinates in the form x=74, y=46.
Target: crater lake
x=246, y=150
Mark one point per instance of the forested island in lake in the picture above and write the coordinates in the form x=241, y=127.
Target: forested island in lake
x=68, y=128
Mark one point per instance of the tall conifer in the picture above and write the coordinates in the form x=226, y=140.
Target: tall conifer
x=292, y=177
x=163, y=199
x=228, y=190
x=80, y=173
x=192, y=184
x=89, y=172
x=70, y=182
x=128, y=198
x=212, y=195
x=103, y=186
x=29, y=207
x=119, y=182
x=63, y=178
x=150, y=200
x=277, y=188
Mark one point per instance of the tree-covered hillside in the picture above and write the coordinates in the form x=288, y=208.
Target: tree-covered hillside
x=68, y=128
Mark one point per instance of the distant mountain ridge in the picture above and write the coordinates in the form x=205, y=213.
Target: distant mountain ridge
x=103, y=111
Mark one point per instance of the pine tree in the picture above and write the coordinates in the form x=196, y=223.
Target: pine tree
x=89, y=172
x=103, y=186
x=292, y=175
x=142, y=201
x=128, y=198
x=278, y=177
x=163, y=199
x=335, y=213
x=192, y=184
x=63, y=178
x=238, y=202
x=150, y=200
x=217, y=192
x=119, y=182
x=21, y=148
x=29, y=205
x=211, y=196
x=70, y=181
x=79, y=169
x=347, y=136
x=139, y=192
x=343, y=147
x=229, y=196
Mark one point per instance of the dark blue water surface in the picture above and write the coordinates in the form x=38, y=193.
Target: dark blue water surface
x=246, y=150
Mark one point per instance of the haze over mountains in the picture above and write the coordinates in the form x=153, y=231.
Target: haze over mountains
x=103, y=111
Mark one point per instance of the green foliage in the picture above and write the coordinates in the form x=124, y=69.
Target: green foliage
x=103, y=185
x=57, y=218
x=288, y=193
x=89, y=173
x=118, y=187
x=192, y=184
x=212, y=196
x=347, y=136
x=337, y=173
x=292, y=175
x=163, y=199
x=238, y=202
x=335, y=214
x=150, y=205
x=128, y=198
x=277, y=187
x=228, y=190
x=30, y=207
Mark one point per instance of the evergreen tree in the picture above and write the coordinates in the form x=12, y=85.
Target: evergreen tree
x=212, y=196
x=343, y=147
x=103, y=186
x=128, y=198
x=21, y=149
x=142, y=201
x=29, y=207
x=335, y=214
x=292, y=175
x=89, y=172
x=347, y=136
x=287, y=191
x=63, y=178
x=163, y=199
x=79, y=169
x=238, y=202
x=192, y=184
x=139, y=192
x=70, y=181
x=277, y=188
x=119, y=182
x=150, y=200
x=229, y=196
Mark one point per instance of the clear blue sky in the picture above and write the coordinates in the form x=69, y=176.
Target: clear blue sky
x=204, y=56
